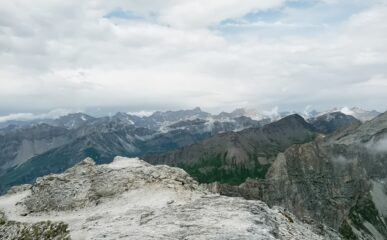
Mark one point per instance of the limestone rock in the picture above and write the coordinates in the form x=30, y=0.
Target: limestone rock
x=12, y=230
x=86, y=184
x=131, y=199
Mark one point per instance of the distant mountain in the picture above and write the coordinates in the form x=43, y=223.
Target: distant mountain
x=232, y=157
x=331, y=122
x=175, y=116
x=47, y=145
x=31, y=151
x=360, y=114
x=21, y=144
x=70, y=121
x=242, y=112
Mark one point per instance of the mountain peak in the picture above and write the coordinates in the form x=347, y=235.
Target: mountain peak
x=357, y=112
x=291, y=122
x=120, y=115
x=331, y=122
x=292, y=118
x=197, y=109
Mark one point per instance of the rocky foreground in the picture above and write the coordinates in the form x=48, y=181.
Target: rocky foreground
x=131, y=199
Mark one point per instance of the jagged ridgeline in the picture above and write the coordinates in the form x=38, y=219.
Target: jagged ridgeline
x=30, y=150
x=339, y=180
x=235, y=156
x=329, y=170
x=51, y=146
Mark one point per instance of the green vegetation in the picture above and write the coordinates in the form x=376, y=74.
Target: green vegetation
x=45, y=230
x=41, y=230
x=2, y=218
x=217, y=168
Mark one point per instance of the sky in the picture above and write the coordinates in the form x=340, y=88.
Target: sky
x=140, y=55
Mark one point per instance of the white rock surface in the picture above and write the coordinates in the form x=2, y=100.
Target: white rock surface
x=131, y=199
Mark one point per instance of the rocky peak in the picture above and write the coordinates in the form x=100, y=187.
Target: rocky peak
x=131, y=199
x=174, y=116
x=87, y=184
x=72, y=120
x=331, y=122
x=377, y=127
x=359, y=113
x=291, y=121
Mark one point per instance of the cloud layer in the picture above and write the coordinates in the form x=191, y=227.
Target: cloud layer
x=166, y=54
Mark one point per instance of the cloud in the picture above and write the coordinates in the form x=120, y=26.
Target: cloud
x=31, y=116
x=141, y=113
x=204, y=13
x=176, y=54
x=379, y=145
x=341, y=160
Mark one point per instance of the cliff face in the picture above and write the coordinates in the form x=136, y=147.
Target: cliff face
x=336, y=180
x=131, y=199
x=312, y=182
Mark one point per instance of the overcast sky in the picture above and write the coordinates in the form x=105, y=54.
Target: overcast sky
x=172, y=54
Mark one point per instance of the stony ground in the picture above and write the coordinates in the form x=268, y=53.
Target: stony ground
x=131, y=199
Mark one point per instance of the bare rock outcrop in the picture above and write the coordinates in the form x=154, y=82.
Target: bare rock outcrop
x=12, y=230
x=131, y=199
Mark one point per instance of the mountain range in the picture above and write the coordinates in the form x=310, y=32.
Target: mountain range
x=31, y=149
x=327, y=168
x=338, y=180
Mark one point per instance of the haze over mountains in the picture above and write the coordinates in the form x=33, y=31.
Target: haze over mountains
x=327, y=168
x=102, y=136
x=41, y=146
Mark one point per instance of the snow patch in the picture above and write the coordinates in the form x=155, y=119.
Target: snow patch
x=347, y=111
x=379, y=145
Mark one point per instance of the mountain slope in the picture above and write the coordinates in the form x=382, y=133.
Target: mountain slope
x=358, y=113
x=102, y=142
x=22, y=144
x=331, y=122
x=232, y=157
x=338, y=180
x=36, y=150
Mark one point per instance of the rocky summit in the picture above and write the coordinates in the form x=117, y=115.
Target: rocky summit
x=131, y=199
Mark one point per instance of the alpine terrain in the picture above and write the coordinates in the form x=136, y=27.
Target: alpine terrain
x=132, y=199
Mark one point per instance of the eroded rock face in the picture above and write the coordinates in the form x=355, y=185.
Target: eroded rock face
x=314, y=183
x=309, y=182
x=334, y=180
x=131, y=199
x=87, y=183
